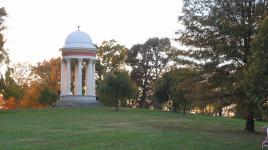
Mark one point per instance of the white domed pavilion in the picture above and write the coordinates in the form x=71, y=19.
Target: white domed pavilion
x=79, y=52
x=77, y=40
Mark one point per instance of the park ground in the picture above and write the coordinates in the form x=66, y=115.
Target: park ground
x=128, y=129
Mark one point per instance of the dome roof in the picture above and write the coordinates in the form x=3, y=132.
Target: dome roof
x=78, y=40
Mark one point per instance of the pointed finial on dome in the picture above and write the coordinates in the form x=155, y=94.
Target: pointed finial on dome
x=78, y=27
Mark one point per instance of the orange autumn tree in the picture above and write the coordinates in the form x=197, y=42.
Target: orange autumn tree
x=37, y=79
x=31, y=95
x=48, y=77
x=48, y=73
x=11, y=103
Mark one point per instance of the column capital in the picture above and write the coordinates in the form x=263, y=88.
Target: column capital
x=67, y=59
x=94, y=61
x=89, y=60
x=79, y=60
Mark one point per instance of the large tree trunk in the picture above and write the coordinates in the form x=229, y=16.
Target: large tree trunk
x=250, y=122
x=220, y=111
x=143, y=97
x=175, y=108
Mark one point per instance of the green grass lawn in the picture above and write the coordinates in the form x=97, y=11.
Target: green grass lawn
x=134, y=129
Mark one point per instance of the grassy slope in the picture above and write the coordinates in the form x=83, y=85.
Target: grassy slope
x=103, y=128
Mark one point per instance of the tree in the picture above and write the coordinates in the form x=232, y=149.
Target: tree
x=10, y=103
x=256, y=73
x=177, y=86
x=2, y=83
x=31, y=95
x=4, y=59
x=41, y=83
x=3, y=52
x=47, y=73
x=148, y=61
x=219, y=33
x=48, y=96
x=10, y=88
x=111, y=56
x=163, y=87
x=22, y=74
x=118, y=87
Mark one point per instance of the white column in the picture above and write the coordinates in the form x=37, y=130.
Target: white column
x=88, y=77
x=93, y=78
x=76, y=82
x=63, y=78
x=68, y=76
x=79, y=76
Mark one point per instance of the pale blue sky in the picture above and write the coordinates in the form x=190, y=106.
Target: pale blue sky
x=38, y=28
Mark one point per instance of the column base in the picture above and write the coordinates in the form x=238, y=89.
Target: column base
x=77, y=101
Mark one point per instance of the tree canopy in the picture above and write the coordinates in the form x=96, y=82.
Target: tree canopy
x=218, y=34
x=111, y=56
x=177, y=86
x=9, y=87
x=148, y=61
x=118, y=87
x=256, y=72
x=3, y=52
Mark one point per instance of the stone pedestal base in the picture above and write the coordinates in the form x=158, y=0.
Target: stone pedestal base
x=77, y=101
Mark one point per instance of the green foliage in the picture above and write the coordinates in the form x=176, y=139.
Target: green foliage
x=48, y=96
x=163, y=87
x=111, y=57
x=256, y=73
x=177, y=86
x=9, y=87
x=2, y=83
x=148, y=61
x=3, y=52
x=218, y=34
x=117, y=87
